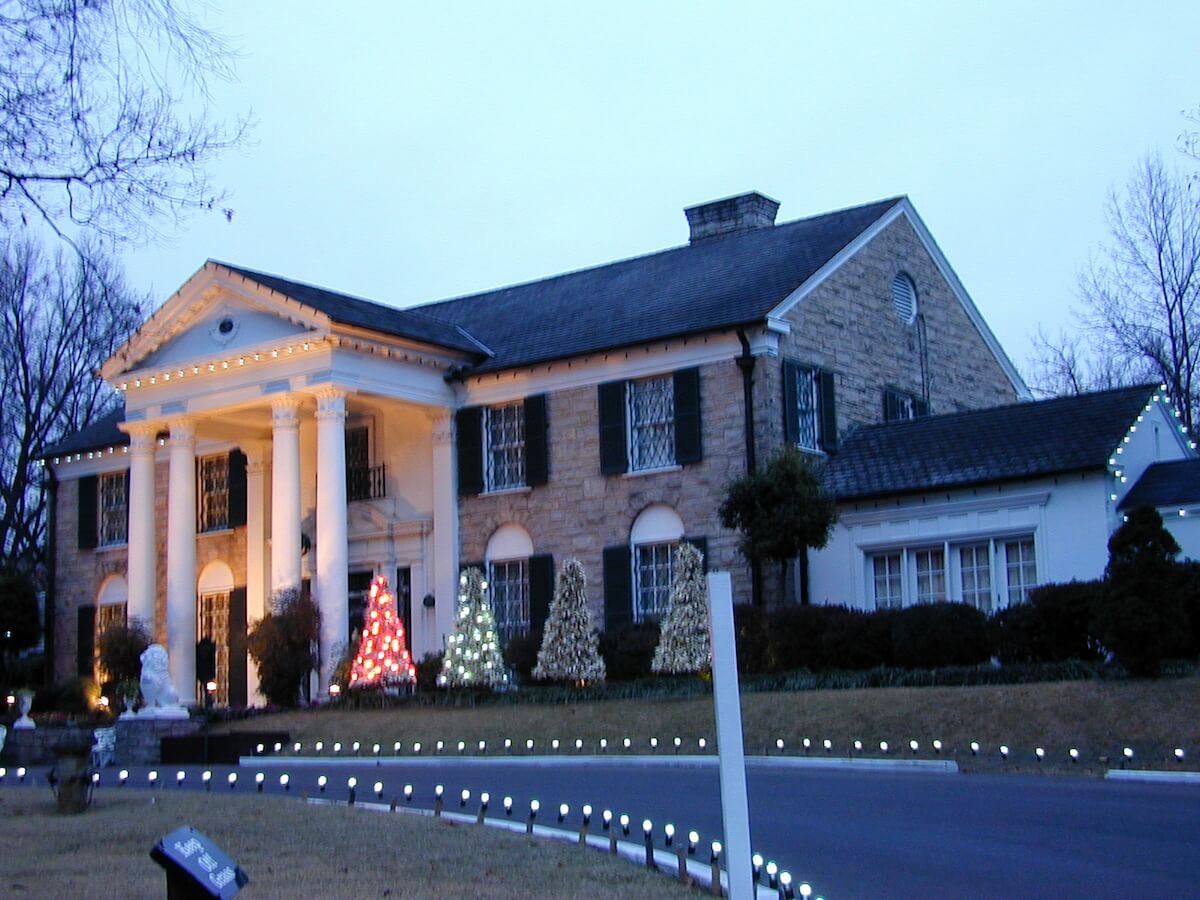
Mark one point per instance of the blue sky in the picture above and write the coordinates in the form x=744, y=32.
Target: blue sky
x=411, y=152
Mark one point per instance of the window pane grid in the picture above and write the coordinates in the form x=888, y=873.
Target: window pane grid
x=107, y=615
x=651, y=423
x=975, y=572
x=505, y=433
x=214, y=493
x=113, y=516
x=212, y=615
x=1020, y=569
x=510, y=597
x=931, y=576
x=808, y=418
x=652, y=580
x=889, y=592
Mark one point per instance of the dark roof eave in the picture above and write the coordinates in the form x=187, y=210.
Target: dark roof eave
x=962, y=485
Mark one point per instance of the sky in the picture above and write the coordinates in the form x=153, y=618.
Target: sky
x=409, y=152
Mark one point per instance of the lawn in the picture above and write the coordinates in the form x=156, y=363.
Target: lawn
x=1098, y=717
x=291, y=849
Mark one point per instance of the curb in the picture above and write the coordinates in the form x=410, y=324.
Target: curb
x=873, y=764
x=1152, y=775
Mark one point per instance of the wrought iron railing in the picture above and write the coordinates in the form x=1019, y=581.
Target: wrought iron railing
x=366, y=482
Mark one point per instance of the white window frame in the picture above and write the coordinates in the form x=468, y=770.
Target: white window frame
x=211, y=513
x=652, y=598
x=644, y=433
x=891, y=577
x=808, y=408
x=1008, y=582
x=113, y=525
x=504, y=433
x=509, y=596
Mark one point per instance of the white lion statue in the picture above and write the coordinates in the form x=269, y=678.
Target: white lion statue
x=157, y=691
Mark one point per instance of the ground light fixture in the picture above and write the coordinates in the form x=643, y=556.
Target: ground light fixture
x=1040, y=753
x=508, y=806
x=563, y=809
x=259, y=749
x=772, y=875
x=668, y=834
x=259, y=778
x=883, y=747
x=701, y=743
x=626, y=743
x=179, y=777
x=122, y=776
x=1179, y=754
x=417, y=748
x=278, y=746
x=21, y=775
x=756, y=863
x=974, y=748
x=319, y=746
x=337, y=746
x=1074, y=754
x=438, y=799
x=296, y=747
x=529, y=745
x=408, y=793
x=378, y=790
x=439, y=746
x=785, y=885
x=507, y=744
x=463, y=797
x=232, y=780
x=534, y=806
x=693, y=841
x=151, y=776
x=285, y=781
x=779, y=744
x=484, y=799
x=462, y=746
x=913, y=746
x=321, y=782
x=482, y=746
x=578, y=744
x=554, y=745
x=1127, y=753
x=355, y=747
x=396, y=748
x=1004, y=751
x=375, y=749
x=648, y=839
x=624, y=822
x=937, y=746
x=603, y=745
x=858, y=746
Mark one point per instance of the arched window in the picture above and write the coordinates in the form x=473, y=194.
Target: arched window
x=508, y=552
x=111, y=608
x=653, y=539
x=212, y=619
x=904, y=298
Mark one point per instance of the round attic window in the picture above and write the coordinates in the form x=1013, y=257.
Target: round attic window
x=225, y=325
x=904, y=298
x=224, y=329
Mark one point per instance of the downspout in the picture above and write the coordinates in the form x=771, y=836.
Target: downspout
x=49, y=602
x=745, y=362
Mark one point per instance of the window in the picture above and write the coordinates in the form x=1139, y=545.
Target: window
x=363, y=481
x=358, y=584
x=114, y=509
x=888, y=580
x=107, y=615
x=214, y=493
x=810, y=419
x=904, y=298
x=1020, y=569
x=653, y=566
x=651, y=423
x=212, y=622
x=900, y=405
x=987, y=574
x=509, y=583
x=504, y=446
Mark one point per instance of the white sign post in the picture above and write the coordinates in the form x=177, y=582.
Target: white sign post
x=735, y=809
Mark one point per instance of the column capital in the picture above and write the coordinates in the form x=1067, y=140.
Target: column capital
x=443, y=425
x=257, y=454
x=285, y=411
x=183, y=432
x=141, y=436
x=331, y=403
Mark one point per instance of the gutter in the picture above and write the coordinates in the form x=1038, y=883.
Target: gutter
x=745, y=362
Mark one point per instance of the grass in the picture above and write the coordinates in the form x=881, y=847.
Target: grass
x=291, y=849
x=1099, y=717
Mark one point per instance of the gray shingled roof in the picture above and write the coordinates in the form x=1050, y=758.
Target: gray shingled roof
x=715, y=283
x=1003, y=443
x=1166, y=484
x=101, y=433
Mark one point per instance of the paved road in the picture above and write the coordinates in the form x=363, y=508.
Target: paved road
x=851, y=834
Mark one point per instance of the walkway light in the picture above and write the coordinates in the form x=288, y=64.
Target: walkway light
x=321, y=782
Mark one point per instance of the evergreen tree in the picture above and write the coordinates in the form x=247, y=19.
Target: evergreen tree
x=683, y=644
x=382, y=659
x=570, y=645
x=473, y=657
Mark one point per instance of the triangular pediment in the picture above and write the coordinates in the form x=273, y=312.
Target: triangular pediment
x=214, y=313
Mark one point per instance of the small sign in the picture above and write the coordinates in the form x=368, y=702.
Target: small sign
x=197, y=867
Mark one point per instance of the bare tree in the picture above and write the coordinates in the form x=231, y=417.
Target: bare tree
x=1141, y=294
x=1067, y=363
x=105, y=122
x=60, y=318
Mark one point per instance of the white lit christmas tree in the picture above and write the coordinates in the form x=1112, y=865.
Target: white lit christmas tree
x=383, y=659
x=570, y=646
x=683, y=642
x=473, y=657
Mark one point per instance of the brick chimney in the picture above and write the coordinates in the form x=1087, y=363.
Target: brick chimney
x=733, y=215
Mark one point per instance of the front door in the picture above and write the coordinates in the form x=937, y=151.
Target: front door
x=213, y=623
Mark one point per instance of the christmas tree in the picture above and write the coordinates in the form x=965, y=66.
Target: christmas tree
x=382, y=659
x=473, y=656
x=683, y=641
x=570, y=645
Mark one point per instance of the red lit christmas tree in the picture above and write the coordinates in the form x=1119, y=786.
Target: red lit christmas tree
x=383, y=659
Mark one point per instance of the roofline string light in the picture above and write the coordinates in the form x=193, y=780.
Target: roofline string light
x=223, y=364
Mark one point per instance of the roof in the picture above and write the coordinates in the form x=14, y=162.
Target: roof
x=1002, y=443
x=1166, y=484
x=405, y=323
x=714, y=283
x=101, y=433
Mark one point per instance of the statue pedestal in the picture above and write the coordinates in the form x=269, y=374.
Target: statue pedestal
x=160, y=712
x=139, y=739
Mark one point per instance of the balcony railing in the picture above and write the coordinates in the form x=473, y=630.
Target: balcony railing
x=366, y=482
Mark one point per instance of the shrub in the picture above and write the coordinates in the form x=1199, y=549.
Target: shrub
x=428, y=670
x=1013, y=634
x=752, y=637
x=628, y=651
x=1063, y=615
x=797, y=634
x=120, y=649
x=857, y=639
x=521, y=653
x=828, y=637
x=282, y=643
x=73, y=696
x=932, y=635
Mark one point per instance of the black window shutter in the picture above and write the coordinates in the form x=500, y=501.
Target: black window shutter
x=237, y=488
x=89, y=488
x=791, y=410
x=618, y=587
x=467, y=426
x=828, y=412
x=537, y=441
x=541, y=589
x=891, y=406
x=701, y=544
x=85, y=644
x=688, y=444
x=920, y=407
x=613, y=456
x=237, y=647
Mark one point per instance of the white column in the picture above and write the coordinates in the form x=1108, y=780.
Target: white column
x=181, y=559
x=256, y=552
x=445, y=537
x=285, y=493
x=142, y=527
x=333, y=553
